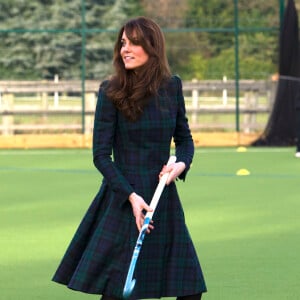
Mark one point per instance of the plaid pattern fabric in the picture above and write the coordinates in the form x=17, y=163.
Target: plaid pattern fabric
x=99, y=254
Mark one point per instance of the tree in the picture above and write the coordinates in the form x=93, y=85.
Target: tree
x=171, y=20
x=52, y=43
x=257, y=48
x=199, y=36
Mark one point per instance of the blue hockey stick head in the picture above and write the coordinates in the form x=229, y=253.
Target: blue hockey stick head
x=128, y=289
x=130, y=281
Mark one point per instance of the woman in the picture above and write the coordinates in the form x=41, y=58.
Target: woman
x=139, y=110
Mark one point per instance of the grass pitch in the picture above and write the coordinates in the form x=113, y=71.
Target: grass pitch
x=245, y=228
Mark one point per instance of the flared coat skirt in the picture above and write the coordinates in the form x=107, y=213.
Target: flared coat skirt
x=98, y=257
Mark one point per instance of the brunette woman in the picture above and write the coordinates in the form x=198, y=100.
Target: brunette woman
x=139, y=111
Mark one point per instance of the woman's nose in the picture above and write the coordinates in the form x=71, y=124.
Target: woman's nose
x=126, y=47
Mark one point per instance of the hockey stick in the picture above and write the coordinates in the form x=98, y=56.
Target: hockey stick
x=130, y=282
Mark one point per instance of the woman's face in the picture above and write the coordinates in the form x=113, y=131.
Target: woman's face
x=134, y=56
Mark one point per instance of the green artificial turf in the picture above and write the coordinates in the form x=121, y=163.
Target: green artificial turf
x=245, y=228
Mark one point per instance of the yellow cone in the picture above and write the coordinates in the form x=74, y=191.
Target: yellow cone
x=241, y=149
x=242, y=172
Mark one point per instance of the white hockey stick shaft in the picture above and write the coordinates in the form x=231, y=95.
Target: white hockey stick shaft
x=159, y=189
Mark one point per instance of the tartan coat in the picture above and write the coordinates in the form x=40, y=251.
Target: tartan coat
x=98, y=257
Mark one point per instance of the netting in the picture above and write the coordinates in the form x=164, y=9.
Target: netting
x=281, y=126
x=74, y=40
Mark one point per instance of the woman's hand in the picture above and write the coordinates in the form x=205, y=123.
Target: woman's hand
x=174, y=169
x=138, y=206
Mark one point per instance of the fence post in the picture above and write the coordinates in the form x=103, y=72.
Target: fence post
x=224, y=94
x=195, y=98
x=45, y=106
x=250, y=118
x=7, y=120
x=56, y=97
x=90, y=102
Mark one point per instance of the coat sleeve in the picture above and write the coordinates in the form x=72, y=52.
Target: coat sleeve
x=103, y=139
x=183, y=140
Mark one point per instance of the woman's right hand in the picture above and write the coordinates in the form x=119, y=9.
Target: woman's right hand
x=138, y=206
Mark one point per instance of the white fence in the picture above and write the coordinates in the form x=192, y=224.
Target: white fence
x=50, y=107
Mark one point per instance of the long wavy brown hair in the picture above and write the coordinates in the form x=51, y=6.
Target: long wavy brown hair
x=130, y=90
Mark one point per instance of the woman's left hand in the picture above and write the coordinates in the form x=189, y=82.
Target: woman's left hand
x=138, y=205
x=174, y=169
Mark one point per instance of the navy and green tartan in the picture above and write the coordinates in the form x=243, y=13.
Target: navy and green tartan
x=99, y=255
